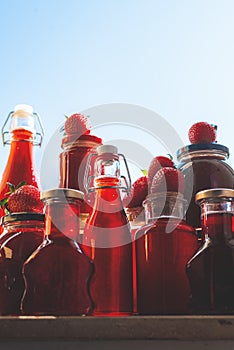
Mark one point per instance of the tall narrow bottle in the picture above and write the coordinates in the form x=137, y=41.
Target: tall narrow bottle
x=211, y=270
x=57, y=274
x=107, y=238
x=22, y=137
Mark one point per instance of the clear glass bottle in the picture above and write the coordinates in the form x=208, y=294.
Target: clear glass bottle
x=22, y=137
x=204, y=166
x=22, y=234
x=107, y=237
x=57, y=274
x=163, y=247
x=73, y=160
x=211, y=270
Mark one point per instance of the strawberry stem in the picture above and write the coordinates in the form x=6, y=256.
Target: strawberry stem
x=144, y=172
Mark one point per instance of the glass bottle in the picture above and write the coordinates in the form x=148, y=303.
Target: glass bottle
x=204, y=166
x=57, y=274
x=73, y=161
x=21, y=137
x=107, y=237
x=22, y=234
x=211, y=270
x=163, y=247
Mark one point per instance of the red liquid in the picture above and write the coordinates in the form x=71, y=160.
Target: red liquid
x=57, y=275
x=73, y=161
x=204, y=174
x=56, y=280
x=15, y=249
x=107, y=241
x=161, y=258
x=211, y=270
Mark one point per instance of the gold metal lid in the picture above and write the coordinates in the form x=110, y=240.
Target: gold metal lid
x=22, y=216
x=215, y=193
x=62, y=193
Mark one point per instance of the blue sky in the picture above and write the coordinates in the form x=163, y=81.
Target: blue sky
x=173, y=57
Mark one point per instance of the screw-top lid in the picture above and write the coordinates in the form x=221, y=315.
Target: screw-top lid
x=214, y=193
x=107, y=149
x=62, y=193
x=14, y=217
x=202, y=147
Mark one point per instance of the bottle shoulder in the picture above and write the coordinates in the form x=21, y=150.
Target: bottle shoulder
x=58, y=249
x=165, y=225
x=212, y=249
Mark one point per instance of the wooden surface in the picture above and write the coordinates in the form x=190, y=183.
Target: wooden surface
x=182, y=328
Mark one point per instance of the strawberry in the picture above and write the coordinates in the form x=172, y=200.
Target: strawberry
x=156, y=164
x=138, y=193
x=202, y=132
x=25, y=199
x=77, y=124
x=168, y=180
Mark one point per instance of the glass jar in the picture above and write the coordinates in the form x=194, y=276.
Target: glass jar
x=204, y=166
x=163, y=247
x=22, y=234
x=73, y=161
x=211, y=270
x=57, y=274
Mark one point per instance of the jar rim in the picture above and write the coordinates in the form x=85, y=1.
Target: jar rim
x=214, y=193
x=189, y=149
x=82, y=141
x=22, y=216
x=61, y=193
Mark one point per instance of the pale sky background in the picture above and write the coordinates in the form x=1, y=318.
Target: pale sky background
x=175, y=58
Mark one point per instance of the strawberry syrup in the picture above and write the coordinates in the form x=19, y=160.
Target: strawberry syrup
x=107, y=241
x=211, y=270
x=161, y=257
x=20, y=164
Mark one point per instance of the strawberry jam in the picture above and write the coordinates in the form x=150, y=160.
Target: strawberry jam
x=204, y=166
x=22, y=234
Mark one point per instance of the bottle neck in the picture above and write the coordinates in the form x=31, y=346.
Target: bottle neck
x=20, y=164
x=217, y=219
x=62, y=219
x=108, y=197
x=22, y=135
x=164, y=205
